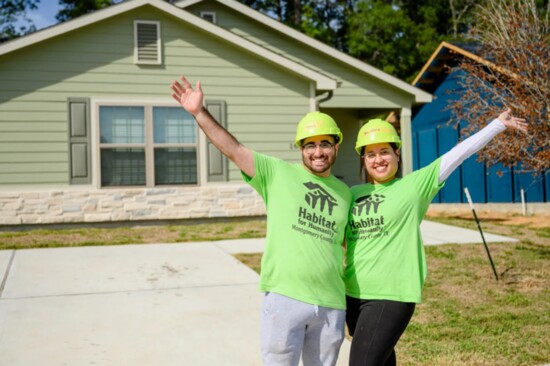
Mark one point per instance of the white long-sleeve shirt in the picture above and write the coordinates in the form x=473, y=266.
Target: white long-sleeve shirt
x=454, y=157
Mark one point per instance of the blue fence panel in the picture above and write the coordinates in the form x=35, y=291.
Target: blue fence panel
x=427, y=142
x=447, y=137
x=473, y=177
x=500, y=186
x=532, y=185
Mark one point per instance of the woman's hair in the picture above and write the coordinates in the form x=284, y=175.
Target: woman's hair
x=392, y=144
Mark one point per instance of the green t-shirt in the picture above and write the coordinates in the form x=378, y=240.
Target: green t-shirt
x=306, y=220
x=385, y=254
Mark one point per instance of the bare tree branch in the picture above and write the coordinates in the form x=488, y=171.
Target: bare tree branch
x=513, y=71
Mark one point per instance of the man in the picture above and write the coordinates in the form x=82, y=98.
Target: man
x=307, y=211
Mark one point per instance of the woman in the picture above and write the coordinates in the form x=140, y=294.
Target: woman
x=385, y=261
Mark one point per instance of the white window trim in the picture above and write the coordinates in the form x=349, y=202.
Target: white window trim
x=158, y=61
x=96, y=102
x=202, y=157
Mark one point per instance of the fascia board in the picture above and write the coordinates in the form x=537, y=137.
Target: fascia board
x=420, y=95
x=186, y=3
x=466, y=54
x=482, y=61
x=428, y=63
x=323, y=82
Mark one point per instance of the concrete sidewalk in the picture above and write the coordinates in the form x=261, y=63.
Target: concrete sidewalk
x=159, y=304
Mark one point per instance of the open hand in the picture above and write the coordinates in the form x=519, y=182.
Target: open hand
x=189, y=99
x=512, y=122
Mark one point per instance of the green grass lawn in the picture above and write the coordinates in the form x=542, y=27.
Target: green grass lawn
x=138, y=234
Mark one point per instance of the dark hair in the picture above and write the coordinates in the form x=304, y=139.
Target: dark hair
x=335, y=137
x=392, y=144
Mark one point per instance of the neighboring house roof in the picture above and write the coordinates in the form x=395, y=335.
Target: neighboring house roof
x=442, y=59
x=437, y=67
x=448, y=55
x=323, y=82
x=420, y=95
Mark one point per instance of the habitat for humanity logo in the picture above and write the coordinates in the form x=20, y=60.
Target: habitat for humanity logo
x=313, y=220
x=367, y=203
x=318, y=195
x=366, y=224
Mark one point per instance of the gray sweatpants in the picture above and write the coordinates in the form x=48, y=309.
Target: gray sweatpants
x=291, y=328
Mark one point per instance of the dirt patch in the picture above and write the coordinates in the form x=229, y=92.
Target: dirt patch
x=538, y=221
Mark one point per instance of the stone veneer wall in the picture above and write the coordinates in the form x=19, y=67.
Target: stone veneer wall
x=68, y=205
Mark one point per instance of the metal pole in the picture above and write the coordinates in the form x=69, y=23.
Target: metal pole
x=480, y=231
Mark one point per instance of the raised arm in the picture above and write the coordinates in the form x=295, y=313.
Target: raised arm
x=452, y=159
x=192, y=101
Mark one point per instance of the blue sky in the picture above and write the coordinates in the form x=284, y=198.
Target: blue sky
x=44, y=16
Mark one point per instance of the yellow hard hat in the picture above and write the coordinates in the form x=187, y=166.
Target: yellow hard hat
x=316, y=124
x=376, y=131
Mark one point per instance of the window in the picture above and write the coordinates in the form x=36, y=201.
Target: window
x=209, y=15
x=147, y=146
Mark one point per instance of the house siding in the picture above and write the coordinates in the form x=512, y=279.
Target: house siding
x=264, y=101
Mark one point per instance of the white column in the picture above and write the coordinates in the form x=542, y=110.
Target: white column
x=312, y=100
x=406, y=141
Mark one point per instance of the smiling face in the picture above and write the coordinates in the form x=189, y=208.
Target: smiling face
x=319, y=154
x=381, y=162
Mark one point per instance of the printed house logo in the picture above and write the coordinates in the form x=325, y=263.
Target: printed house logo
x=318, y=195
x=366, y=203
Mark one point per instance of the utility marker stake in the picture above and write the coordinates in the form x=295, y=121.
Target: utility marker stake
x=480, y=231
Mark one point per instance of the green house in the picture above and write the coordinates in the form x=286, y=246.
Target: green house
x=90, y=133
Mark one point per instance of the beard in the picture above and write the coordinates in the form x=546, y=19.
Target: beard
x=319, y=166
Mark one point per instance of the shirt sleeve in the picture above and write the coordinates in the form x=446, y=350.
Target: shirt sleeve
x=426, y=182
x=265, y=167
x=453, y=158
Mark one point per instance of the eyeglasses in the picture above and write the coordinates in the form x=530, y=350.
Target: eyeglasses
x=325, y=146
x=384, y=154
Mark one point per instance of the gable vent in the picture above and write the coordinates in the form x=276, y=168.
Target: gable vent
x=146, y=42
x=209, y=15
